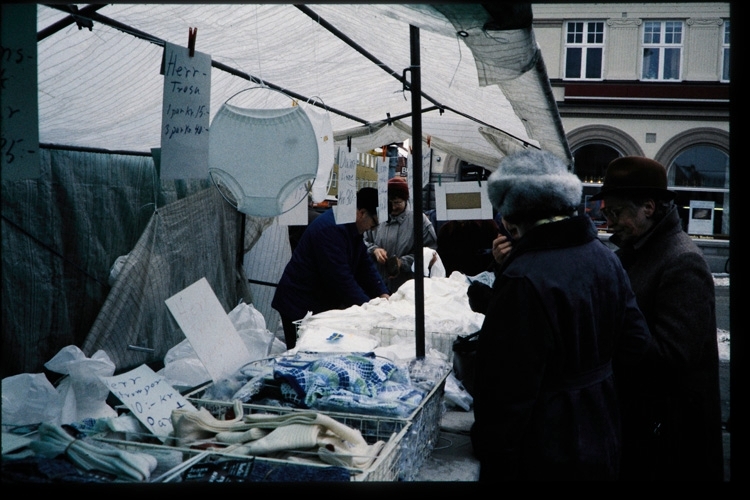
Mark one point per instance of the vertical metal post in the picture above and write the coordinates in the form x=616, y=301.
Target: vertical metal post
x=416, y=190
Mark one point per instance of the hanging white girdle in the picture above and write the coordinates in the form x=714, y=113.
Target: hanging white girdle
x=262, y=155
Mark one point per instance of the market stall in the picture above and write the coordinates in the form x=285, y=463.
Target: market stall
x=138, y=204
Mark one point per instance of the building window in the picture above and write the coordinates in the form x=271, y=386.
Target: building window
x=701, y=173
x=590, y=163
x=584, y=49
x=725, y=53
x=662, y=50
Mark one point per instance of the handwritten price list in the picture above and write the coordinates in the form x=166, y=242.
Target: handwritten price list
x=19, y=113
x=185, y=114
x=149, y=397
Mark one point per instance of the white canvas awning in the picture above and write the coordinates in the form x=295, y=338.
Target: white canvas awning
x=485, y=90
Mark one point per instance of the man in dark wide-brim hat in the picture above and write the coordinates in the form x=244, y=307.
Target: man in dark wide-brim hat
x=671, y=403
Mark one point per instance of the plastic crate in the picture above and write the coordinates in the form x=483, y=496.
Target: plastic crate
x=441, y=342
x=384, y=468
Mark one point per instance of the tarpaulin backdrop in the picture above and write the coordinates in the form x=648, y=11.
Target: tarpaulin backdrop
x=484, y=93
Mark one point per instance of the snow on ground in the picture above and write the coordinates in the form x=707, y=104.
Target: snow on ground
x=721, y=279
x=722, y=335
x=723, y=338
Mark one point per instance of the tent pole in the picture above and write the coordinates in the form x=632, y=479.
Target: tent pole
x=416, y=189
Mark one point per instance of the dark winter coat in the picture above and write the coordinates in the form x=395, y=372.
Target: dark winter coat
x=329, y=269
x=672, y=405
x=545, y=404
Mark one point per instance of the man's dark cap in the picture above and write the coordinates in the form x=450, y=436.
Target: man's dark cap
x=635, y=176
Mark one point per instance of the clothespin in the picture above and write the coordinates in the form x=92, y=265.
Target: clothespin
x=389, y=118
x=479, y=180
x=349, y=143
x=384, y=149
x=192, y=34
x=80, y=21
x=440, y=179
x=429, y=140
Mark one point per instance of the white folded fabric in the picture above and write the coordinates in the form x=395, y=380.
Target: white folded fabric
x=89, y=455
x=266, y=433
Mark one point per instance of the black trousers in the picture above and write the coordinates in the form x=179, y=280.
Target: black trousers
x=290, y=331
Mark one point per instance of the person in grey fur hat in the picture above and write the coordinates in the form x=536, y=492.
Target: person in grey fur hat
x=560, y=319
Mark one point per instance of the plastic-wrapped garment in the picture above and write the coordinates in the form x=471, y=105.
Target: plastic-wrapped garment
x=355, y=383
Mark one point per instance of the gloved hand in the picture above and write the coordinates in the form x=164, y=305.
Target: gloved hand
x=479, y=296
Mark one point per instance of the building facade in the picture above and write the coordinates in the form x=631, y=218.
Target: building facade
x=648, y=79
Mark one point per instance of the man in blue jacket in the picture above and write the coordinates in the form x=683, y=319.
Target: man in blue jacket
x=330, y=268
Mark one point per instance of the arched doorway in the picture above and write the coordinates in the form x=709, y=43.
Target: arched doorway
x=697, y=164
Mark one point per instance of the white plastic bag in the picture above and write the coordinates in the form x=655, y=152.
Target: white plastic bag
x=83, y=393
x=432, y=269
x=183, y=368
x=30, y=398
x=247, y=317
x=457, y=394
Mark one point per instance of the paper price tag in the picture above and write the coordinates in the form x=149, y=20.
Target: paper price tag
x=149, y=397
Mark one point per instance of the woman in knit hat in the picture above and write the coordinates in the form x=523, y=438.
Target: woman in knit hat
x=391, y=244
x=560, y=313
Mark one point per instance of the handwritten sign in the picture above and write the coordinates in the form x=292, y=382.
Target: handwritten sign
x=410, y=173
x=426, y=162
x=185, y=114
x=346, y=208
x=149, y=397
x=19, y=113
x=382, y=170
x=209, y=330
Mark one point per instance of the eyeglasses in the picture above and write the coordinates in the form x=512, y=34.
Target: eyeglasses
x=397, y=202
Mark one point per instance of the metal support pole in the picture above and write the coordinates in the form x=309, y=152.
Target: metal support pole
x=416, y=190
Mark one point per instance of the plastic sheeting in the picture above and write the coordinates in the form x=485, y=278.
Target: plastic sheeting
x=62, y=233
x=469, y=68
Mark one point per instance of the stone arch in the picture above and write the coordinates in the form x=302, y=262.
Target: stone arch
x=604, y=134
x=704, y=136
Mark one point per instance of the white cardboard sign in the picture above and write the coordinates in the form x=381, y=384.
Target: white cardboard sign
x=185, y=114
x=209, y=329
x=345, y=210
x=462, y=201
x=149, y=397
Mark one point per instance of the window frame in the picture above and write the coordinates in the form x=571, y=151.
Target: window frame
x=725, y=51
x=585, y=47
x=661, y=47
x=687, y=191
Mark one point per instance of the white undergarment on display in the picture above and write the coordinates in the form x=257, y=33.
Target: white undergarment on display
x=262, y=155
x=321, y=122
